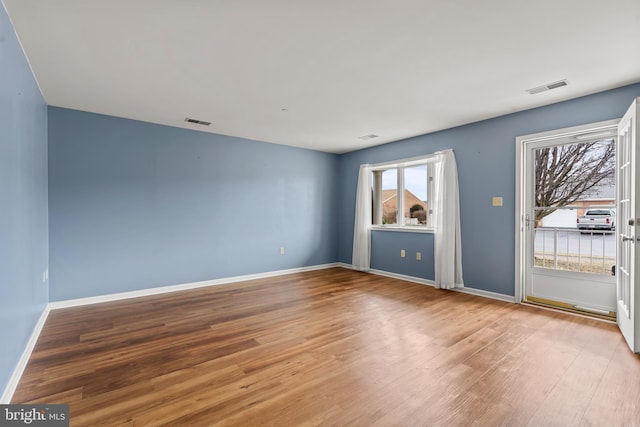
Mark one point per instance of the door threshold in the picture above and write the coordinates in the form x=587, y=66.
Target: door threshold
x=570, y=308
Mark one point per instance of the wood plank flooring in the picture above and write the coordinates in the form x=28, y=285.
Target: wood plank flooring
x=331, y=347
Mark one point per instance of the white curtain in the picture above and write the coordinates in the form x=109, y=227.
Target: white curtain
x=448, y=247
x=361, y=231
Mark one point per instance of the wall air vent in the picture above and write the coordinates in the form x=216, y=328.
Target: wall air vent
x=548, y=86
x=198, y=122
x=366, y=137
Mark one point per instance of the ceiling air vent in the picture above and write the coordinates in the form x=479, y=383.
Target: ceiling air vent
x=548, y=86
x=370, y=136
x=198, y=122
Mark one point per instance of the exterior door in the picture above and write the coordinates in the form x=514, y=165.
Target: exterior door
x=566, y=266
x=628, y=231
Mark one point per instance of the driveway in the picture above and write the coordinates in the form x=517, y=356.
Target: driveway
x=583, y=244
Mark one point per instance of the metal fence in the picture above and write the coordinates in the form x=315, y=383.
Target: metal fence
x=570, y=249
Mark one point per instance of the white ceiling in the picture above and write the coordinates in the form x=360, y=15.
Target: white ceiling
x=341, y=69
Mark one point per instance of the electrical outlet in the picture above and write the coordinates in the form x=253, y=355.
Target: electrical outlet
x=402, y=253
x=282, y=251
x=419, y=256
x=496, y=201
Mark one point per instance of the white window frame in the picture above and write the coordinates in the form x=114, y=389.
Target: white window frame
x=400, y=165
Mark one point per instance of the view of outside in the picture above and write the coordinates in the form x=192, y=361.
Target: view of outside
x=389, y=192
x=415, y=195
x=593, y=252
x=575, y=207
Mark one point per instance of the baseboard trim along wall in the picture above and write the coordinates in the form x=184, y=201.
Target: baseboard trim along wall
x=404, y=277
x=24, y=359
x=175, y=288
x=486, y=294
x=413, y=279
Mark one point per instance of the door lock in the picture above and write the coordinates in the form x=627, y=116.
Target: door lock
x=632, y=222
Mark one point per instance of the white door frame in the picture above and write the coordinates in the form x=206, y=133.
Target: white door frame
x=522, y=143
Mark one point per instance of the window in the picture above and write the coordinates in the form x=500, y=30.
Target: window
x=401, y=192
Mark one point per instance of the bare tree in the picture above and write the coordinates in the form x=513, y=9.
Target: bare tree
x=567, y=173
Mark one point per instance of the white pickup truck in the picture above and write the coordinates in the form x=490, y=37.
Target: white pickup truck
x=597, y=219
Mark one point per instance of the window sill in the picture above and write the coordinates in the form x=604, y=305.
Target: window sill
x=405, y=229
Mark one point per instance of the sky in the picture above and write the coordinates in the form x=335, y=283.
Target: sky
x=415, y=180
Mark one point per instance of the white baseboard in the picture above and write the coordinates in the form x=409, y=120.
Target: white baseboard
x=466, y=290
x=175, y=288
x=403, y=277
x=344, y=265
x=7, y=395
x=234, y=279
x=486, y=294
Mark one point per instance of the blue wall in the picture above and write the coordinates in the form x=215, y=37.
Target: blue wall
x=386, y=257
x=135, y=205
x=485, y=153
x=23, y=201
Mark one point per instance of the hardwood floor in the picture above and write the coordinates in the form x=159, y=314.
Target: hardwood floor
x=331, y=347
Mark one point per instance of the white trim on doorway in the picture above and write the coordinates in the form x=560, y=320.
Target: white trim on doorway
x=592, y=129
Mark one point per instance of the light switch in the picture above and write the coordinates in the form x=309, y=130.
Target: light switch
x=496, y=201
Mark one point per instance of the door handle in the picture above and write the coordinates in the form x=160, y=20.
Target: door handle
x=626, y=238
x=631, y=221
